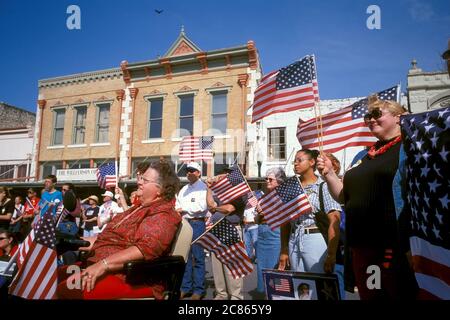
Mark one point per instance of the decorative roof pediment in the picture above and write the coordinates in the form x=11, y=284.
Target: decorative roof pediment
x=185, y=88
x=182, y=45
x=156, y=91
x=218, y=85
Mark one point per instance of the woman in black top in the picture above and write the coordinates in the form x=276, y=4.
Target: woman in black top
x=371, y=226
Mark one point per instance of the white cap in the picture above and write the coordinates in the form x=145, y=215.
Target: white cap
x=108, y=194
x=195, y=166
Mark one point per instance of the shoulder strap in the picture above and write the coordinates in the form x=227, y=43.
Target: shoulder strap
x=322, y=206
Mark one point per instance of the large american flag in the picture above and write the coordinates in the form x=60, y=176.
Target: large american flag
x=231, y=187
x=342, y=128
x=286, y=202
x=196, y=148
x=106, y=176
x=290, y=88
x=37, y=276
x=426, y=138
x=224, y=240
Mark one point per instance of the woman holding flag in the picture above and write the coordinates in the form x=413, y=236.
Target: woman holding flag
x=366, y=191
x=303, y=246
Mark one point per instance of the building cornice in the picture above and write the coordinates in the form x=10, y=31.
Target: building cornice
x=81, y=78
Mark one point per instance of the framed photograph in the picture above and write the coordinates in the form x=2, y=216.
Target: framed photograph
x=290, y=285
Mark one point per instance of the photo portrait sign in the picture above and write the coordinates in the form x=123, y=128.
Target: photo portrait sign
x=290, y=285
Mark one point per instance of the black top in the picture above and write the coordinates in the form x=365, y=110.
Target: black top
x=4, y=210
x=369, y=203
x=90, y=213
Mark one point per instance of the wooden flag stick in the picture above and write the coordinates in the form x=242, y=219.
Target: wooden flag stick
x=209, y=229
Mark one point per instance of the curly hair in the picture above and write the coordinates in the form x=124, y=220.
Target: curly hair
x=168, y=179
x=279, y=174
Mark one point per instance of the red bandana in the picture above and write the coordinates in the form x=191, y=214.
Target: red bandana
x=373, y=151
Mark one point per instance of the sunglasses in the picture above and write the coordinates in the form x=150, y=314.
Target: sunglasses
x=191, y=170
x=270, y=179
x=375, y=114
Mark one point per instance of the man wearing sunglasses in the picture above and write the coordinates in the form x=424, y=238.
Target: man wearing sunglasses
x=191, y=204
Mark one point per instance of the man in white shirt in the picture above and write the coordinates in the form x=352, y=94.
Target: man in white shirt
x=191, y=203
x=108, y=210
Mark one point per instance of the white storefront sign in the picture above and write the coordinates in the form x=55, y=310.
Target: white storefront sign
x=76, y=174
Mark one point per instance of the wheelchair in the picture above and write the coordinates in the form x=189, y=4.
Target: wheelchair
x=169, y=269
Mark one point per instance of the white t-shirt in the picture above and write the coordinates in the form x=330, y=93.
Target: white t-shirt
x=107, y=211
x=192, y=200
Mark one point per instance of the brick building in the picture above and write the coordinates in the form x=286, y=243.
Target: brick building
x=141, y=110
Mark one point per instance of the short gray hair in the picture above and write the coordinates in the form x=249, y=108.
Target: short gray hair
x=279, y=174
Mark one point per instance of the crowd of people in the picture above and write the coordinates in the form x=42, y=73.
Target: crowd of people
x=145, y=226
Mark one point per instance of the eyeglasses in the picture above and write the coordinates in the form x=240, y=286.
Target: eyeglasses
x=270, y=179
x=145, y=180
x=1, y=238
x=375, y=114
x=191, y=170
x=298, y=160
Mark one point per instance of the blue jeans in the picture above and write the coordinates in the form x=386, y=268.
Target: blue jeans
x=194, y=274
x=267, y=251
x=88, y=233
x=250, y=239
x=308, y=255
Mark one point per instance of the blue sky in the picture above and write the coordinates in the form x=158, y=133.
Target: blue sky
x=351, y=59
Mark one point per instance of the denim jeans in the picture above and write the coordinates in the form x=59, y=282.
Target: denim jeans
x=88, y=233
x=267, y=251
x=250, y=239
x=194, y=274
x=307, y=253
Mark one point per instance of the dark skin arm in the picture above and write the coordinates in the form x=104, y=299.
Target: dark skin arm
x=334, y=217
x=285, y=231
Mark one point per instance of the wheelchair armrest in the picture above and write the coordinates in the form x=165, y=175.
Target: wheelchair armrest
x=160, y=269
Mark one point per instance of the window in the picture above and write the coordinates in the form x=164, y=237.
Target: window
x=186, y=115
x=58, y=127
x=50, y=168
x=22, y=171
x=155, y=118
x=78, y=164
x=79, y=127
x=277, y=144
x=102, y=128
x=219, y=111
x=223, y=161
x=6, y=172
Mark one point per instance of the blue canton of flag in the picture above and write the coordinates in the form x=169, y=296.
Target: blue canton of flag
x=207, y=142
x=106, y=176
x=426, y=141
x=285, y=203
x=231, y=187
x=223, y=239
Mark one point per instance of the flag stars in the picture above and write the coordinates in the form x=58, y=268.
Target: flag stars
x=437, y=170
x=436, y=232
x=419, y=144
x=424, y=171
x=440, y=217
x=444, y=154
x=427, y=200
x=444, y=201
x=423, y=227
x=441, y=113
x=434, y=140
x=434, y=185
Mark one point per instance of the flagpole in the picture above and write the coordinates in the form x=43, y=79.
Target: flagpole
x=307, y=197
x=237, y=165
x=287, y=162
x=117, y=173
x=319, y=125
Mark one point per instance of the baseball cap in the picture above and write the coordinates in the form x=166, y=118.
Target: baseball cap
x=195, y=166
x=108, y=194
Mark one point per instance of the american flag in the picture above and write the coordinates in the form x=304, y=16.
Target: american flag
x=37, y=276
x=224, y=240
x=196, y=148
x=290, y=88
x=106, y=176
x=285, y=203
x=252, y=202
x=343, y=128
x=231, y=187
x=282, y=284
x=426, y=138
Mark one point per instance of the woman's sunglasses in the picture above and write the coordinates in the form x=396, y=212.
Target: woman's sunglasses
x=375, y=114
